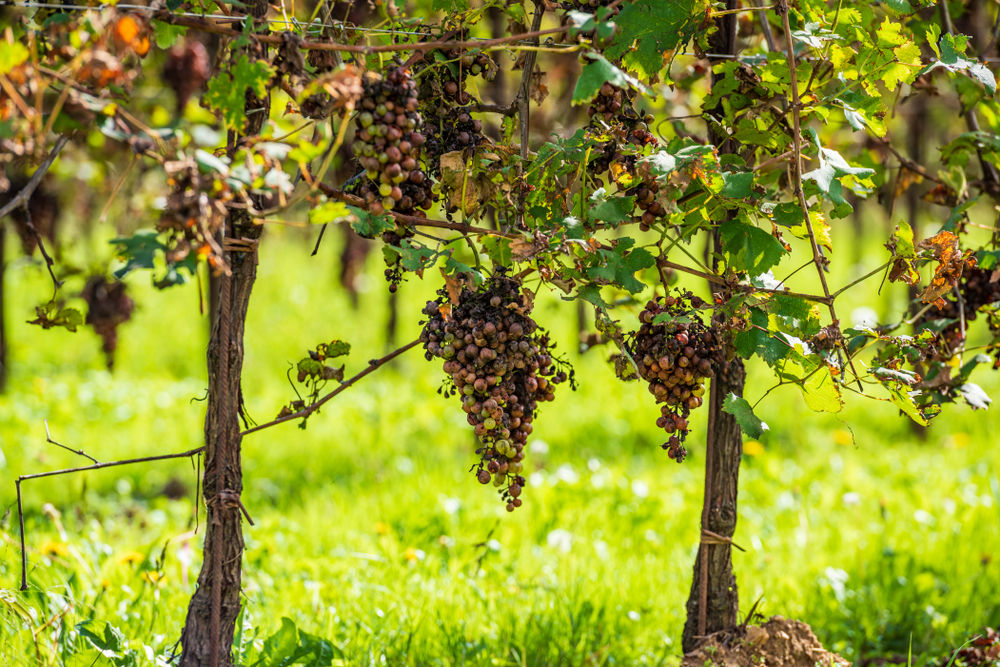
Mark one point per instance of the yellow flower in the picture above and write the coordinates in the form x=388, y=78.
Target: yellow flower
x=753, y=448
x=131, y=557
x=51, y=548
x=158, y=579
x=382, y=528
x=842, y=437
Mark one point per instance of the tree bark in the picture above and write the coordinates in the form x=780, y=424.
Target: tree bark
x=713, y=568
x=3, y=309
x=223, y=476
x=727, y=448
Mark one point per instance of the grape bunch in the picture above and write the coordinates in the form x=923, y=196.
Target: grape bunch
x=609, y=101
x=186, y=70
x=108, y=306
x=501, y=363
x=388, y=142
x=450, y=129
x=675, y=357
x=977, y=292
x=646, y=200
x=394, y=261
x=459, y=64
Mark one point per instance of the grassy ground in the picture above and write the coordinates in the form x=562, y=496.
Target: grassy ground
x=370, y=533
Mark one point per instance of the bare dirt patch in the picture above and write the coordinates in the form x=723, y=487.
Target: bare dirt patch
x=779, y=642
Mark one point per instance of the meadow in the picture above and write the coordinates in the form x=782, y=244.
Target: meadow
x=371, y=535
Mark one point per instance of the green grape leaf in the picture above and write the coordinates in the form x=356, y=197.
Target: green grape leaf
x=498, y=250
x=226, y=92
x=612, y=210
x=11, y=55
x=758, y=340
x=650, y=30
x=750, y=248
x=337, y=348
x=165, y=34
x=739, y=408
x=331, y=211
x=737, y=185
x=813, y=377
x=51, y=315
x=952, y=58
x=369, y=226
x=598, y=72
x=620, y=265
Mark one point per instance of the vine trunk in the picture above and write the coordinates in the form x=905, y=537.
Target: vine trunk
x=201, y=644
x=713, y=603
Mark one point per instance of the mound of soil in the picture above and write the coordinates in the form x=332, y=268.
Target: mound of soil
x=777, y=643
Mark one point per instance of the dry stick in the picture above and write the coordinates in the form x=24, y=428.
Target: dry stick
x=782, y=9
x=206, y=26
x=79, y=452
x=36, y=178
x=372, y=366
x=66, y=471
x=910, y=164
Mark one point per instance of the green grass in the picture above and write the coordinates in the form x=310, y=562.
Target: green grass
x=371, y=534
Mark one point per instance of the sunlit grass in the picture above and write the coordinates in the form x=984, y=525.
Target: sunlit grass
x=371, y=534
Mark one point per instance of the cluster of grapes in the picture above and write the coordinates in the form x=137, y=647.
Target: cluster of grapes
x=501, y=363
x=186, y=70
x=609, y=102
x=192, y=217
x=977, y=292
x=108, y=306
x=388, y=143
x=645, y=199
x=465, y=64
x=675, y=357
x=394, y=272
x=450, y=129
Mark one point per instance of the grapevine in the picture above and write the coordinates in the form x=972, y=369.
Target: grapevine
x=109, y=306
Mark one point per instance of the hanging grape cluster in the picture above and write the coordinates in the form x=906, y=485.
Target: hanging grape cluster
x=450, y=129
x=501, y=363
x=978, y=293
x=388, y=144
x=453, y=67
x=186, y=70
x=646, y=201
x=394, y=261
x=108, y=306
x=675, y=357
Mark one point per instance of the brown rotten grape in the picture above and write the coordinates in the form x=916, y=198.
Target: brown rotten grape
x=388, y=144
x=500, y=362
x=108, y=306
x=675, y=356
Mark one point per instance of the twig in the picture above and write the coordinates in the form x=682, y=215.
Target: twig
x=413, y=220
x=301, y=414
x=66, y=471
x=782, y=9
x=910, y=164
x=778, y=158
x=523, y=99
x=36, y=178
x=49, y=262
x=79, y=452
